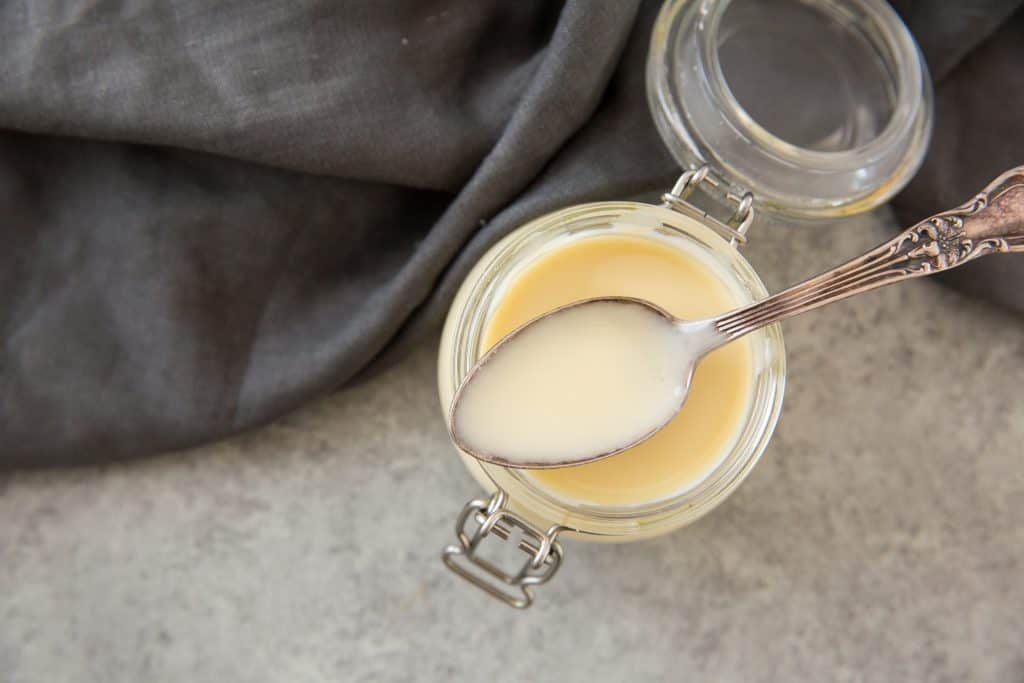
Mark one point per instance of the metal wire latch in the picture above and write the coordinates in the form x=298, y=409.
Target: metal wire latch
x=735, y=227
x=482, y=518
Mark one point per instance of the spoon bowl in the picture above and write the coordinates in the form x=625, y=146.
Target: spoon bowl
x=554, y=409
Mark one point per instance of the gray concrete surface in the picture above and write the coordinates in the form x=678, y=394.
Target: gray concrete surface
x=880, y=539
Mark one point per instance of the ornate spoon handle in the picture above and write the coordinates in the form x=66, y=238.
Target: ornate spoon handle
x=992, y=222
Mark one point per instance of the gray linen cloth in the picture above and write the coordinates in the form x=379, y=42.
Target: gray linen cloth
x=211, y=212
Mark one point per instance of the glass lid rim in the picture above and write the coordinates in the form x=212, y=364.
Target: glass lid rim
x=866, y=175
x=907, y=78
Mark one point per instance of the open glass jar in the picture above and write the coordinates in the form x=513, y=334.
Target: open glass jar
x=802, y=108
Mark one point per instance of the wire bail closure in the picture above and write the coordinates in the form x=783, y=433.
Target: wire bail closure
x=482, y=518
x=735, y=228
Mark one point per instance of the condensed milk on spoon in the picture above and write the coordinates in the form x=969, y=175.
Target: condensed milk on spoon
x=591, y=378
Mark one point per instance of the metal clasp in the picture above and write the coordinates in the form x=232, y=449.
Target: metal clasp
x=735, y=228
x=482, y=518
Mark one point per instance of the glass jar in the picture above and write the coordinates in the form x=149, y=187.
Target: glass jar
x=482, y=290
x=708, y=62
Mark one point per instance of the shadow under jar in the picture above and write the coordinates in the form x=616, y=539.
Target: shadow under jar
x=809, y=109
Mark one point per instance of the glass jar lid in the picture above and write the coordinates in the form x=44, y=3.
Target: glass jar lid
x=817, y=108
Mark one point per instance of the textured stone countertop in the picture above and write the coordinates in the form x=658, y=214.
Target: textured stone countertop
x=881, y=538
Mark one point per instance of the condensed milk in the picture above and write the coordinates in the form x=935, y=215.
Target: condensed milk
x=693, y=443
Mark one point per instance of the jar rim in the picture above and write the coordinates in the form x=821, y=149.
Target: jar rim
x=468, y=318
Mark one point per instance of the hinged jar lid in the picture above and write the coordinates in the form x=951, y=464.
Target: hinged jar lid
x=816, y=107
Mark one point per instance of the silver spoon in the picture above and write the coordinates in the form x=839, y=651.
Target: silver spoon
x=992, y=222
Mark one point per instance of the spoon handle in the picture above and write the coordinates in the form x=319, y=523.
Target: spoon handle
x=992, y=222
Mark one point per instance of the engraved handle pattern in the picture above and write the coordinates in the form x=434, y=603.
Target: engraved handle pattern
x=992, y=222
